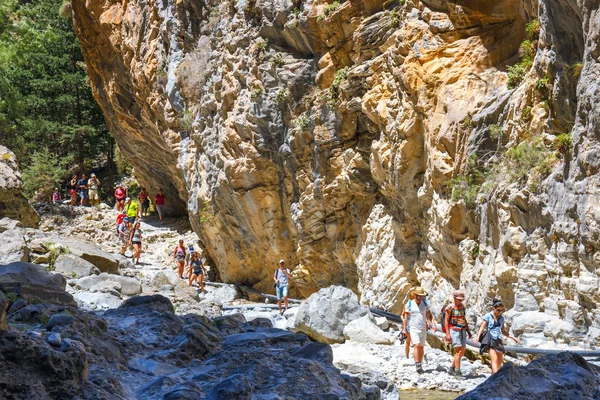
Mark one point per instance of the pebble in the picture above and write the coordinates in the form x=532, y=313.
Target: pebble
x=55, y=340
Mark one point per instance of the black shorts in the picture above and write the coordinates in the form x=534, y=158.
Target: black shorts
x=198, y=271
x=498, y=345
x=140, y=243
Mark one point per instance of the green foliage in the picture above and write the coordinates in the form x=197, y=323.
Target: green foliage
x=576, y=69
x=517, y=72
x=563, y=143
x=261, y=44
x=496, y=132
x=526, y=49
x=527, y=163
x=12, y=297
x=466, y=186
x=394, y=19
x=43, y=174
x=334, y=90
x=55, y=250
x=332, y=8
x=303, y=121
x=46, y=101
x=282, y=95
x=320, y=18
x=256, y=93
x=186, y=120
x=207, y=212
x=542, y=85
x=533, y=29
x=277, y=60
x=526, y=114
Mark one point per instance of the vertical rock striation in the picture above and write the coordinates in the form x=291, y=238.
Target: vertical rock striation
x=371, y=144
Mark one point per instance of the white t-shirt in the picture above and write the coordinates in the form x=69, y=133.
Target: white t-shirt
x=418, y=315
x=282, y=277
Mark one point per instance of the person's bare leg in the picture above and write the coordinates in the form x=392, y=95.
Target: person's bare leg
x=458, y=354
x=180, y=268
x=286, y=302
x=191, y=280
x=407, y=345
x=418, y=353
x=496, y=358
x=279, y=305
x=201, y=281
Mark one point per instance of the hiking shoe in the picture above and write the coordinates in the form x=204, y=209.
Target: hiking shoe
x=451, y=371
x=419, y=368
x=458, y=374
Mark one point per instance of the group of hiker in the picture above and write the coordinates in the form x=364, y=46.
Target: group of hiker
x=141, y=207
x=417, y=320
x=84, y=188
x=193, y=260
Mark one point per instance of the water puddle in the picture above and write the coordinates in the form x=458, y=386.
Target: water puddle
x=427, y=395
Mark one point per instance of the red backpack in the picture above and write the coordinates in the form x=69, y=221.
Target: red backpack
x=443, y=318
x=120, y=218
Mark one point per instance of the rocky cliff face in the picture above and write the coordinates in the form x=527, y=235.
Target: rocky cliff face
x=12, y=202
x=371, y=144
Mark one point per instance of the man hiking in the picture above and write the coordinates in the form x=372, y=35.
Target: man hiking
x=93, y=186
x=281, y=278
x=457, y=329
x=420, y=321
x=131, y=209
x=82, y=189
x=159, y=204
x=123, y=231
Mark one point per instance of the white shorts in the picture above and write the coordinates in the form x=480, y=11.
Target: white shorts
x=93, y=194
x=418, y=337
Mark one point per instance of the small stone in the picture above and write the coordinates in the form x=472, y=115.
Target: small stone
x=55, y=340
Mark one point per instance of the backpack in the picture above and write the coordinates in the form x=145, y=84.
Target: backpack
x=443, y=317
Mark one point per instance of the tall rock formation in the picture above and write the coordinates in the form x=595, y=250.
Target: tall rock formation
x=13, y=204
x=371, y=144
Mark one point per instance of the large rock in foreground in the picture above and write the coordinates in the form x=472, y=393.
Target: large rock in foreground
x=34, y=283
x=12, y=202
x=325, y=314
x=558, y=376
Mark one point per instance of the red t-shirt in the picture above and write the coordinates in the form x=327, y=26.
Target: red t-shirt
x=143, y=196
x=159, y=200
x=119, y=193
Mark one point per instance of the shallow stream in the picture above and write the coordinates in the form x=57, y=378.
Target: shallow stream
x=427, y=395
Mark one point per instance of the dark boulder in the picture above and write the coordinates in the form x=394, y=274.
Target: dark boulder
x=558, y=376
x=34, y=283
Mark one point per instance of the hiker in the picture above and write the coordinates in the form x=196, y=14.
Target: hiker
x=73, y=190
x=82, y=188
x=123, y=231
x=493, y=325
x=179, y=256
x=131, y=208
x=197, y=270
x=281, y=276
x=56, y=196
x=406, y=320
x=144, y=202
x=135, y=239
x=159, y=204
x=457, y=329
x=420, y=321
x=120, y=195
x=93, y=186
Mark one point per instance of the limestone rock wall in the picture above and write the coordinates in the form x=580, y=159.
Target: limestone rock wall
x=334, y=135
x=13, y=204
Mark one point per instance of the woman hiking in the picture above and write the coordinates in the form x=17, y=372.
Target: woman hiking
x=179, y=256
x=135, y=239
x=197, y=270
x=144, y=202
x=493, y=322
x=120, y=195
x=73, y=190
x=406, y=320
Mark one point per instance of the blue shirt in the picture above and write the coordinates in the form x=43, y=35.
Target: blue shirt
x=495, y=327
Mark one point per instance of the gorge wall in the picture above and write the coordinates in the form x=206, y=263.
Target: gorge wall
x=371, y=144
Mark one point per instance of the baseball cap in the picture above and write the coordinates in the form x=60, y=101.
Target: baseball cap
x=459, y=294
x=127, y=199
x=93, y=175
x=191, y=248
x=282, y=261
